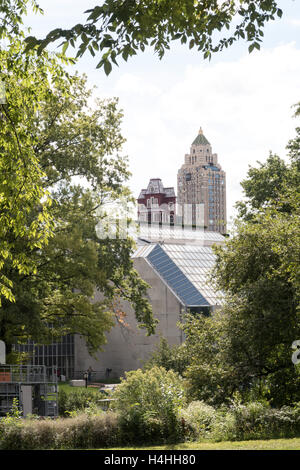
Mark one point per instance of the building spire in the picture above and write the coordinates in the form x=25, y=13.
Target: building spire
x=200, y=139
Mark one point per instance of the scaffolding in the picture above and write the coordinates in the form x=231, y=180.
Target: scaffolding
x=34, y=388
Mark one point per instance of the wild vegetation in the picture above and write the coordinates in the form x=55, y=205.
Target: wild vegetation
x=246, y=346
x=150, y=409
x=52, y=261
x=233, y=378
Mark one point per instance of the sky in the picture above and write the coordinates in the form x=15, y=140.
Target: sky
x=243, y=102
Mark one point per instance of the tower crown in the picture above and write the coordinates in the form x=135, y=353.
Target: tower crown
x=200, y=139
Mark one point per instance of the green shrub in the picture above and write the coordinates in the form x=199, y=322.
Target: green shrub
x=223, y=428
x=148, y=403
x=198, y=419
x=249, y=419
x=11, y=425
x=76, y=400
x=256, y=420
x=150, y=411
x=37, y=434
x=169, y=357
x=241, y=421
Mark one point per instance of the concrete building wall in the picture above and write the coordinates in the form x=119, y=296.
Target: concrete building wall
x=128, y=346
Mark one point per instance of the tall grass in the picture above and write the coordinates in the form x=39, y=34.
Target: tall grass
x=83, y=431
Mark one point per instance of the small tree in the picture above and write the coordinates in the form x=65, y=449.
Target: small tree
x=169, y=357
x=247, y=346
x=149, y=403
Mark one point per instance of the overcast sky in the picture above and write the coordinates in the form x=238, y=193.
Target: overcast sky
x=242, y=102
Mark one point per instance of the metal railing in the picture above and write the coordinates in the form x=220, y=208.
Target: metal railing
x=27, y=374
x=103, y=375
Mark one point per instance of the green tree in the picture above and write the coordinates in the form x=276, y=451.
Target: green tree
x=209, y=376
x=169, y=357
x=20, y=173
x=262, y=186
x=11, y=16
x=247, y=346
x=120, y=28
x=75, y=148
x=27, y=83
x=149, y=403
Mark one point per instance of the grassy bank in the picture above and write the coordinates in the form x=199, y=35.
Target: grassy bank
x=270, y=444
x=66, y=387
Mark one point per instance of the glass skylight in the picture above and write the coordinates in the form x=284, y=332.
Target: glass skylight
x=186, y=269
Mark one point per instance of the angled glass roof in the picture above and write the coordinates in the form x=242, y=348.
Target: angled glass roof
x=196, y=263
x=185, y=269
x=167, y=233
x=175, y=278
x=143, y=250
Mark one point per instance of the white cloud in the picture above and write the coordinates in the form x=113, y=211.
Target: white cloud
x=243, y=106
x=293, y=22
x=135, y=86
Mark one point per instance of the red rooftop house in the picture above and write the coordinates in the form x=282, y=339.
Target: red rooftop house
x=156, y=204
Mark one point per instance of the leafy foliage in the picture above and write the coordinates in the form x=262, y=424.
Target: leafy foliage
x=148, y=403
x=11, y=13
x=263, y=186
x=169, y=357
x=92, y=430
x=25, y=221
x=198, y=418
x=209, y=376
x=77, y=400
x=247, y=346
x=255, y=420
x=63, y=156
x=122, y=28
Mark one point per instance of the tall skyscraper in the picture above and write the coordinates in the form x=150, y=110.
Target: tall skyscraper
x=201, y=184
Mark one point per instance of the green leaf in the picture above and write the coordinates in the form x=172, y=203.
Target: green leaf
x=107, y=67
x=91, y=50
x=65, y=47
